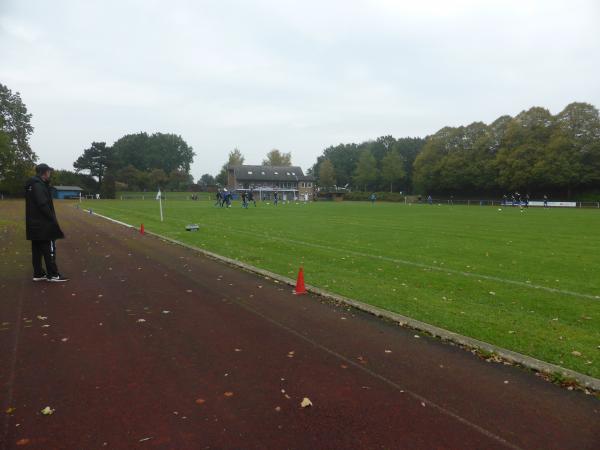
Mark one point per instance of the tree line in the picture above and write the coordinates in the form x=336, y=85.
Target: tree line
x=385, y=164
x=534, y=152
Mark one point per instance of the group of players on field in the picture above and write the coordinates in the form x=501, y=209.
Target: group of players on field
x=225, y=197
x=517, y=199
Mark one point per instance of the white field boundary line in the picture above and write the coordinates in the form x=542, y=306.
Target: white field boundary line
x=421, y=265
x=405, y=321
x=434, y=268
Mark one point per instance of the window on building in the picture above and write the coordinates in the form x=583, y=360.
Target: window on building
x=287, y=173
x=262, y=173
x=294, y=173
x=276, y=173
x=249, y=172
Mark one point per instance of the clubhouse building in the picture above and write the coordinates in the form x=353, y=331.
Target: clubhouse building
x=290, y=182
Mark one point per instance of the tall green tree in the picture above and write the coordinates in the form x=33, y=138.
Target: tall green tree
x=344, y=158
x=580, y=124
x=108, y=188
x=131, y=177
x=145, y=152
x=525, y=138
x=16, y=156
x=157, y=178
x=96, y=159
x=327, y=174
x=235, y=158
x=206, y=180
x=392, y=168
x=277, y=158
x=366, y=171
x=179, y=180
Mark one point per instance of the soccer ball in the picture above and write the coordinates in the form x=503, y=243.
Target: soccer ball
x=499, y=209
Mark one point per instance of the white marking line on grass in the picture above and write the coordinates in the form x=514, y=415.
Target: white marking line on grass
x=411, y=263
x=438, y=269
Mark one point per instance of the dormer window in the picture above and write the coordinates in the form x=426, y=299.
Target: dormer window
x=294, y=173
x=276, y=173
x=262, y=173
x=249, y=172
x=287, y=173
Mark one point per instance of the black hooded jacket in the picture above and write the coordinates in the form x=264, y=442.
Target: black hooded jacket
x=40, y=218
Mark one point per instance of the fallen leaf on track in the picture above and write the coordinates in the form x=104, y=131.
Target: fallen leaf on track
x=23, y=441
x=42, y=317
x=200, y=401
x=228, y=394
x=141, y=320
x=47, y=411
x=305, y=403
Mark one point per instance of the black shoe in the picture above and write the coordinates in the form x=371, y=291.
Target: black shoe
x=58, y=278
x=42, y=277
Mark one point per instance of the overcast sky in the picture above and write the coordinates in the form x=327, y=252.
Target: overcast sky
x=294, y=75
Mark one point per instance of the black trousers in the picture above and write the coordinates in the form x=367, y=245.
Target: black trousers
x=46, y=250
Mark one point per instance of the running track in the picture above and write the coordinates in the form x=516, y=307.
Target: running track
x=153, y=346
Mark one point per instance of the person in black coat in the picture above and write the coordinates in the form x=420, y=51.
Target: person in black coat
x=42, y=228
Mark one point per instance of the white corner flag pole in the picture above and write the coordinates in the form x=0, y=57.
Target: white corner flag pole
x=159, y=198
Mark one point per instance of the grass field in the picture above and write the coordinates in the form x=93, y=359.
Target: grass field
x=528, y=281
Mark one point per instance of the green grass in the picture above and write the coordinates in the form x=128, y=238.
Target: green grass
x=432, y=263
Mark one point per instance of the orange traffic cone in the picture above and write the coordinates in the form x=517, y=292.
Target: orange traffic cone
x=142, y=229
x=300, y=289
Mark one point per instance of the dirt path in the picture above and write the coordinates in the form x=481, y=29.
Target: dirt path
x=153, y=346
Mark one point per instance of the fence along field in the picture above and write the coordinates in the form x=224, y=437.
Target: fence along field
x=525, y=281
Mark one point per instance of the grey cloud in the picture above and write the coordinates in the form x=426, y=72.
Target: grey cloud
x=294, y=75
